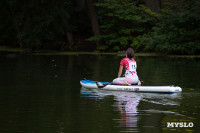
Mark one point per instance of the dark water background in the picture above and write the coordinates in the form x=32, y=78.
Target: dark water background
x=42, y=94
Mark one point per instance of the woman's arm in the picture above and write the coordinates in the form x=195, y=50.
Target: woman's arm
x=120, y=71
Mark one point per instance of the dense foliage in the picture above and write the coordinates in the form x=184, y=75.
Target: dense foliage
x=107, y=25
x=177, y=31
x=123, y=23
x=39, y=24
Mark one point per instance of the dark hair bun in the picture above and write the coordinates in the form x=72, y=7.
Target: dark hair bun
x=130, y=53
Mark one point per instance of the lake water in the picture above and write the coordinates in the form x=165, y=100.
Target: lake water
x=42, y=94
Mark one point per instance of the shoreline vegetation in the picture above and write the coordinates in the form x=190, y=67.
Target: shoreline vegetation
x=16, y=51
x=157, y=26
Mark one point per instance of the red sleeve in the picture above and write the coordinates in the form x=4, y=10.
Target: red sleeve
x=122, y=62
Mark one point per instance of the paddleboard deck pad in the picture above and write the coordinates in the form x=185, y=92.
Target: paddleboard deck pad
x=134, y=88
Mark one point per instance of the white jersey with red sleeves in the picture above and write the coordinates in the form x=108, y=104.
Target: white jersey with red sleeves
x=130, y=66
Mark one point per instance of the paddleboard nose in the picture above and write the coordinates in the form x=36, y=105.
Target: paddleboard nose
x=178, y=89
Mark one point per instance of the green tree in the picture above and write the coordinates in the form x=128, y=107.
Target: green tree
x=9, y=24
x=177, y=30
x=123, y=23
x=94, y=20
x=37, y=22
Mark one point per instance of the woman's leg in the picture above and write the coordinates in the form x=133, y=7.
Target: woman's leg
x=126, y=80
x=132, y=80
x=119, y=81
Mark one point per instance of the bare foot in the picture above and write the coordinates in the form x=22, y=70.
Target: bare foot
x=139, y=83
x=126, y=83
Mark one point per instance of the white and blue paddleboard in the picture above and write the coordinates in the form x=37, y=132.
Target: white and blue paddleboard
x=134, y=88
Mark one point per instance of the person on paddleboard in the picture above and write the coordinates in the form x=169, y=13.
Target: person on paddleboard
x=130, y=66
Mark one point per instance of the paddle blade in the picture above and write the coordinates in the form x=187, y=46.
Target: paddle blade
x=100, y=85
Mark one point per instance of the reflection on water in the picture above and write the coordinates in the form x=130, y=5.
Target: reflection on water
x=41, y=94
x=126, y=103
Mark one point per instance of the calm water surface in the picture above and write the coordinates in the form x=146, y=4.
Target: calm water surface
x=42, y=94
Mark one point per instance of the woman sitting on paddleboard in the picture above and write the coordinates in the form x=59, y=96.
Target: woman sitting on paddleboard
x=130, y=66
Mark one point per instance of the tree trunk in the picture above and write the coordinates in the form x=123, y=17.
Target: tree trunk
x=70, y=38
x=154, y=5
x=68, y=34
x=80, y=4
x=93, y=19
x=16, y=27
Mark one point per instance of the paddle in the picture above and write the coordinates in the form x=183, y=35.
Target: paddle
x=102, y=85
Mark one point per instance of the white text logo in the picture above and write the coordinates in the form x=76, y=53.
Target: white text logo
x=180, y=124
